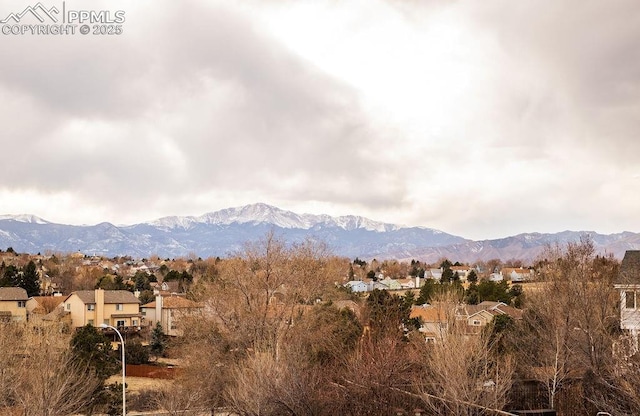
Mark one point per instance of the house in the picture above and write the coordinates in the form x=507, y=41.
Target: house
x=168, y=310
x=517, y=274
x=119, y=308
x=357, y=286
x=13, y=304
x=496, y=277
x=474, y=317
x=165, y=288
x=434, y=320
x=409, y=283
x=391, y=284
x=377, y=285
x=39, y=306
x=501, y=308
x=628, y=285
x=463, y=272
x=433, y=274
x=478, y=316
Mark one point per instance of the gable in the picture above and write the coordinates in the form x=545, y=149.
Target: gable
x=629, y=268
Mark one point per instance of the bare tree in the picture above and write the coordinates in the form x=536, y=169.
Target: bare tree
x=463, y=374
x=49, y=381
x=569, y=326
x=10, y=360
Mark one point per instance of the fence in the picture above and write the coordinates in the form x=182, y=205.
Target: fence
x=152, y=371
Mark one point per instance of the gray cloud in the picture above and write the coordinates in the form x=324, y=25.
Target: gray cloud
x=178, y=107
x=199, y=103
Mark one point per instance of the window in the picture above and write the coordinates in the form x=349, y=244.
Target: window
x=91, y=307
x=135, y=322
x=68, y=306
x=119, y=323
x=118, y=306
x=106, y=322
x=90, y=322
x=630, y=300
x=22, y=304
x=476, y=323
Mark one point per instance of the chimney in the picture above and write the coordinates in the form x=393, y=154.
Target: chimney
x=99, y=298
x=159, y=311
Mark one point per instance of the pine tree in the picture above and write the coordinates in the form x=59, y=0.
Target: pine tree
x=158, y=343
x=30, y=280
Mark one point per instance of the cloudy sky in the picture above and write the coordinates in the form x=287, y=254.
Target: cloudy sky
x=480, y=118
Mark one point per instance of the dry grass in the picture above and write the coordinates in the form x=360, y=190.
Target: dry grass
x=137, y=384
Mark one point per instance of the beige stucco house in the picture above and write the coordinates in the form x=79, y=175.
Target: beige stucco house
x=13, y=304
x=119, y=308
x=168, y=310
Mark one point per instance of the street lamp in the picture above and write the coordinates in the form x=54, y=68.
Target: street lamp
x=124, y=406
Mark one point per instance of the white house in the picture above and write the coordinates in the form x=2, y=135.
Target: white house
x=628, y=285
x=357, y=286
x=433, y=274
x=517, y=274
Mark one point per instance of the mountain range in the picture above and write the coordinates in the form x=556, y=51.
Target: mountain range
x=223, y=232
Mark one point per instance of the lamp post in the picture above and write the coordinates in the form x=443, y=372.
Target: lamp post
x=124, y=406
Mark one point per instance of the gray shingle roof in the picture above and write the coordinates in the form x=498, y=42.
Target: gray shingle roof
x=630, y=268
x=13, y=293
x=110, y=296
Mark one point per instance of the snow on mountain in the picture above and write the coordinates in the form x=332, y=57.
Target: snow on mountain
x=222, y=232
x=28, y=218
x=266, y=214
x=174, y=222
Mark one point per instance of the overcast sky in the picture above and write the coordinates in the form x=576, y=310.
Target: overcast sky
x=479, y=118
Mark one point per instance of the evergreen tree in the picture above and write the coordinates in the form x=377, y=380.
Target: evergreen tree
x=9, y=276
x=29, y=280
x=471, y=295
x=135, y=352
x=447, y=275
x=93, y=348
x=118, y=283
x=158, y=343
x=426, y=292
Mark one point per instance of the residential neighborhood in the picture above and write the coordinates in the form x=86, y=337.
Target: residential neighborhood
x=205, y=314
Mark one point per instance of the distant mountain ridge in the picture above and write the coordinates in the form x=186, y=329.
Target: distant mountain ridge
x=263, y=213
x=223, y=232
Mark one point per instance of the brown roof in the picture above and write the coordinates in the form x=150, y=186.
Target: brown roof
x=110, y=296
x=630, y=268
x=514, y=313
x=13, y=293
x=172, y=286
x=496, y=308
x=429, y=313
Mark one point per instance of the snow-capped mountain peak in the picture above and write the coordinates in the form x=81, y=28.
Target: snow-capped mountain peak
x=261, y=213
x=27, y=218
